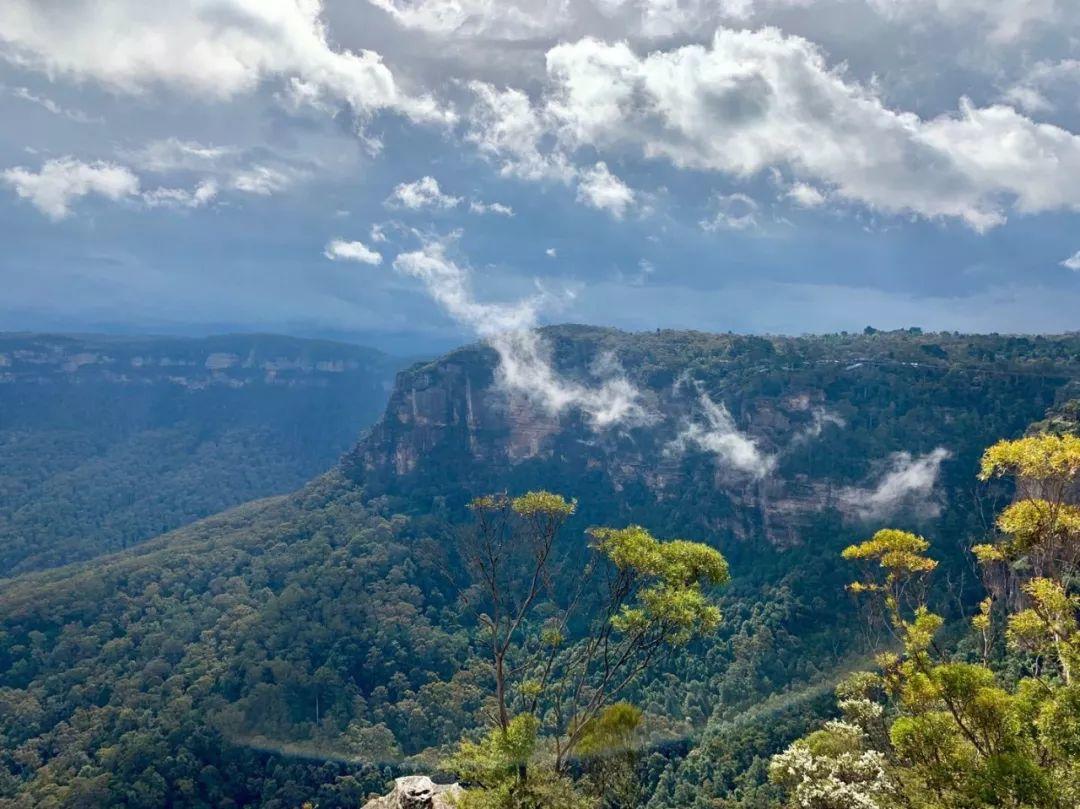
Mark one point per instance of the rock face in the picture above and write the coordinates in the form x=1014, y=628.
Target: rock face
x=417, y=792
x=827, y=418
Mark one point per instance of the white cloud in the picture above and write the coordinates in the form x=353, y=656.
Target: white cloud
x=48, y=104
x=1005, y=19
x=733, y=212
x=1036, y=90
x=1072, y=262
x=497, y=208
x=601, y=189
x=908, y=484
x=220, y=166
x=511, y=19
x=754, y=100
x=423, y=193
x=805, y=195
x=341, y=250
x=261, y=180
x=819, y=419
x=551, y=252
x=504, y=125
x=203, y=194
x=525, y=367
x=719, y=436
x=215, y=50
x=174, y=154
x=62, y=180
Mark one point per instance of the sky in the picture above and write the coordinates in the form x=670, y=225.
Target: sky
x=415, y=173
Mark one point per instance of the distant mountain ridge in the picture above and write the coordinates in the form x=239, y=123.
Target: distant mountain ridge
x=105, y=440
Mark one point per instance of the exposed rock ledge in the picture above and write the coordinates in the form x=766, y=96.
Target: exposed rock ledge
x=417, y=792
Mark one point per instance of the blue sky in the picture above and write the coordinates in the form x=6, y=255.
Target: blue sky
x=406, y=171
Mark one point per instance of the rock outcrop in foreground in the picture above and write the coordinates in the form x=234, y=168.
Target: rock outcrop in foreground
x=417, y=792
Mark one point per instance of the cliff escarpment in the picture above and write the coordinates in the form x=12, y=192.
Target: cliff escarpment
x=747, y=438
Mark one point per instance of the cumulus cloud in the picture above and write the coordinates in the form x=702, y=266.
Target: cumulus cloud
x=525, y=367
x=497, y=208
x=213, y=50
x=505, y=126
x=753, y=100
x=63, y=180
x=551, y=252
x=423, y=193
x=341, y=250
x=908, y=484
x=1072, y=262
x=600, y=189
x=716, y=433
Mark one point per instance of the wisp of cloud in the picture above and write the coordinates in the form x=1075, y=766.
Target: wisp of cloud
x=524, y=363
x=722, y=438
x=909, y=482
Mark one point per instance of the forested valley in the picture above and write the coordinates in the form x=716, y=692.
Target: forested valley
x=875, y=607
x=106, y=441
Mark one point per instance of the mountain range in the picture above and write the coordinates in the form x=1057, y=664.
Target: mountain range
x=310, y=646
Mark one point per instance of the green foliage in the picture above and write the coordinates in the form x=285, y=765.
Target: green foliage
x=669, y=588
x=958, y=734
x=278, y=653
x=543, y=504
x=106, y=442
x=1039, y=457
x=499, y=755
x=495, y=768
x=256, y=657
x=613, y=731
x=568, y=681
x=899, y=553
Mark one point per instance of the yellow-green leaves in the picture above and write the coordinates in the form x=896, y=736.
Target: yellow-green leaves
x=898, y=553
x=919, y=634
x=1049, y=626
x=542, y=503
x=674, y=573
x=1041, y=457
x=986, y=554
x=677, y=562
x=614, y=730
x=498, y=754
x=982, y=621
x=1033, y=520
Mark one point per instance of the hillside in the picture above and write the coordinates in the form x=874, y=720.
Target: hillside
x=308, y=646
x=106, y=441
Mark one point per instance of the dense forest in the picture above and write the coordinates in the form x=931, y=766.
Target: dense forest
x=312, y=646
x=107, y=441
